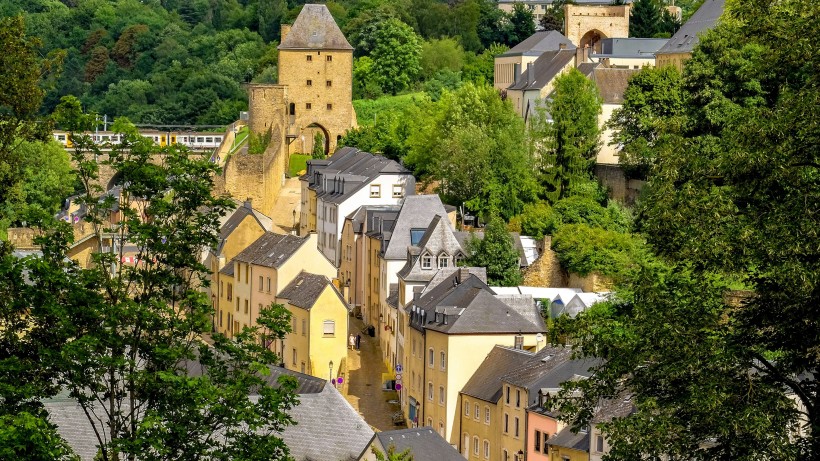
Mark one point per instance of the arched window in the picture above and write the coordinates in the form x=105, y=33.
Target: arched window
x=443, y=260
x=426, y=261
x=475, y=445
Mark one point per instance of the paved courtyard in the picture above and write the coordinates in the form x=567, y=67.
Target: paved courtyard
x=364, y=382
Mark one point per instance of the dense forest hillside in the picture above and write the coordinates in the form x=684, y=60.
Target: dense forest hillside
x=184, y=61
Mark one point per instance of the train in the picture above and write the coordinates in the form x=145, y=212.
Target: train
x=199, y=141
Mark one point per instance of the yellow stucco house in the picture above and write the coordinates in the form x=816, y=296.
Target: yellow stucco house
x=450, y=327
x=260, y=274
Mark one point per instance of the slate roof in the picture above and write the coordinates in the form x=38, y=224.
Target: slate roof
x=438, y=238
x=305, y=289
x=363, y=215
x=442, y=274
x=315, y=29
x=347, y=171
x=537, y=366
x=271, y=250
x=424, y=443
x=327, y=427
x=538, y=43
x=228, y=269
x=632, y=47
x=543, y=70
x=485, y=384
x=231, y=221
x=463, y=304
x=686, y=38
x=612, y=83
x=610, y=409
x=567, y=439
x=417, y=211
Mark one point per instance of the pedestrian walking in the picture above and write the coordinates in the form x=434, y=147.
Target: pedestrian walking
x=358, y=341
x=352, y=341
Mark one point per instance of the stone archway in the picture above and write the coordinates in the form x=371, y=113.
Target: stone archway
x=309, y=133
x=592, y=39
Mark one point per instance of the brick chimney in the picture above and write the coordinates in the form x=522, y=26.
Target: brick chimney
x=463, y=273
x=581, y=55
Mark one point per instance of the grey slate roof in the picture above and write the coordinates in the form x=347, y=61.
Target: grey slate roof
x=315, y=29
x=617, y=407
x=612, y=83
x=424, y=443
x=567, y=439
x=629, y=47
x=538, y=366
x=463, y=304
x=348, y=170
x=417, y=211
x=305, y=289
x=538, y=43
x=232, y=221
x=228, y=269
x=271, y=250
x=327, y=427
x=437, y=239
x=485, y=384
x=363, y=215
x=543, y=70
x=686, y=38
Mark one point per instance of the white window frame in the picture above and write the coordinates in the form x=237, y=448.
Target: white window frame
x=426, y=262
x=443, y=260
x=398, y=191
x=329, y=331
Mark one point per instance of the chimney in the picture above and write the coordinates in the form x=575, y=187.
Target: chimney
x=530, y=73
x=284, y=32
x=562, y=46
x=516, y=71
x=463, y=273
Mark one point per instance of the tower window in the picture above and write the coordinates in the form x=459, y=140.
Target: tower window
x=309, y=58
x=329, y=58
x=310, y=83
x=329, y=106
x=307, y=105
x=328, y=83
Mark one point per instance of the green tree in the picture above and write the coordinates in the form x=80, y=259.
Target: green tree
x=26, y=436
x=46, y=179
x=395, y=55
x=269, y=13
x=479, y=69
x=731, y=196
x=566, y=136
x=475, y=146
x=522, y=24
x=437, y=55
x=495, y=251
x=391, y=454
x=318, y=146
x=20, y=99
x=553, y=18
x=125, y=340
x=654, y=102
x=649, y=18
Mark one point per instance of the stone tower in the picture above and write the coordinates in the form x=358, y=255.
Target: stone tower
x=586, y=25
x=316, y=67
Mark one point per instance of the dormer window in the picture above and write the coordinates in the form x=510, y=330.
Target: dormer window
x=426, y=262
x=458, y=258
x=443, y=260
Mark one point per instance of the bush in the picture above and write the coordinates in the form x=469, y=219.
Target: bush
x=584, y=249
x=583, y=210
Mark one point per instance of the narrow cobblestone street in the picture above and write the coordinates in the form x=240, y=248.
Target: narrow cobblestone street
x=364, y=382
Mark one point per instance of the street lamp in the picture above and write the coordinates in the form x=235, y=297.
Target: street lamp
x=294, y=221
x=330, y=375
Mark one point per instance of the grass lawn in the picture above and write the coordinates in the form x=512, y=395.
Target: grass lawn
x=368, y=109
x=298, y=163
x=240, y=138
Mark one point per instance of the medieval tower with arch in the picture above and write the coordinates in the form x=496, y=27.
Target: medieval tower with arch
x=314, y=95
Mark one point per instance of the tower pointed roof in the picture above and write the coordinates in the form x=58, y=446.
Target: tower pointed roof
x=315, y=29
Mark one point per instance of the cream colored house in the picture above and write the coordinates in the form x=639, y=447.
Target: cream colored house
x=450, y=328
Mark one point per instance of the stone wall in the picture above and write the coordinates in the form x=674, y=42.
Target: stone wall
x=590, y=283
x=545, y=271
x=620, y=189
